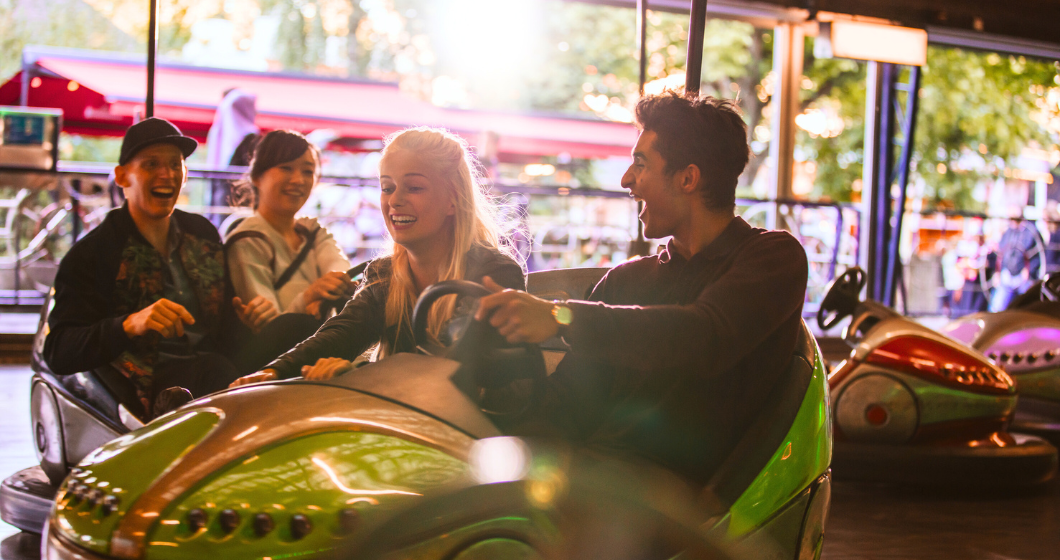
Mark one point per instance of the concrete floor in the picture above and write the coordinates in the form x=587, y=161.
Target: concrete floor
x=866, y=522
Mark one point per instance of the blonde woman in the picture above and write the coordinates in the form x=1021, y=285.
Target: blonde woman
x=441, y=227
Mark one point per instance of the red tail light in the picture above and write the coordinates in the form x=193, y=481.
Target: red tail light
x=938, y=362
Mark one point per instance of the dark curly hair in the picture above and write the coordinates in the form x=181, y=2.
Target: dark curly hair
x=703, y=131
x=276, y=147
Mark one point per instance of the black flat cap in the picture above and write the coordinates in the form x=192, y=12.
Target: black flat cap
x=154, y=131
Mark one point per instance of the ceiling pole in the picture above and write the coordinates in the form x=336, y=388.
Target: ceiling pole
x=640, y=246
x=697, y=27
x=152, y=48
x=642, y=41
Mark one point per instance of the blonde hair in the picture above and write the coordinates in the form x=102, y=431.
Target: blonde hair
x=474, y=223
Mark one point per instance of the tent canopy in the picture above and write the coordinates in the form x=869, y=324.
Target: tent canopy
x=100, y=93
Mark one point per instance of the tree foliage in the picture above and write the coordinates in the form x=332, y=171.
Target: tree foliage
x=978, y=111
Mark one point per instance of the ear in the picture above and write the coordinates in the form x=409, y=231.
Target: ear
x=119, y=176
x=688, y=178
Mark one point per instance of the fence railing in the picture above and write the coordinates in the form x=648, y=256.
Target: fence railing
x=553, y=227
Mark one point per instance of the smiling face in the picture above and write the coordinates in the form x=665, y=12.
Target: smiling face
x=284, y=188
x=664, y=206
x=416, y=204
x=152, y=180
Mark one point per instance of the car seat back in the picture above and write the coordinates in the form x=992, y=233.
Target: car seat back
x=766, y=433
x=571, y=283
x=102, y=389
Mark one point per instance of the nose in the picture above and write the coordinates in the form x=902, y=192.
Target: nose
x=397, y=198
x=627, y=178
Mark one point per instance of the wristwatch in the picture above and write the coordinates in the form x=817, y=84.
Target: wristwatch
x=562, y=315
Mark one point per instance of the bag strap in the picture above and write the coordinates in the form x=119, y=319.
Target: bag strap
x=310, y=241
x=251, y=234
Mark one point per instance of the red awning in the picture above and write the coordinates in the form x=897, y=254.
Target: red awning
x=100, y=93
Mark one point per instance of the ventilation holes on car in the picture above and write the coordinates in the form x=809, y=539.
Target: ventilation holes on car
x=196, y=519
x=229, y=520
x=263, y=524
x=300, y=526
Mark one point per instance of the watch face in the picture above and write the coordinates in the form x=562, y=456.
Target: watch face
x=563, y=314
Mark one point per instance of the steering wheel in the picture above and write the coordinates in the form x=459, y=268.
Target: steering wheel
x=488, y=362
x=1050, y=287
x=841, y=299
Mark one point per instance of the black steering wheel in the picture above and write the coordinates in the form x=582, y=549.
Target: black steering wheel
x=1050, y=287
x=490, y=367
x=842, y=298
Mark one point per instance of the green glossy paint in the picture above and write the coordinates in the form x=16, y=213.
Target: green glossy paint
x=1043, y=385
x=125, y=468
x=804, y=456
x=938, y=403
x=316, y=476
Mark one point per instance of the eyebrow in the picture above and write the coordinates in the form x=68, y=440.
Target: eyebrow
x=406, y=175
x=641, y=155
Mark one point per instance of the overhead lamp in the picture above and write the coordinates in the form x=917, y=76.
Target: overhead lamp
x=871, y=41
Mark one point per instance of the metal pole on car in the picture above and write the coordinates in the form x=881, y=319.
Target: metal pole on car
x=152, y=47
x=697, y=27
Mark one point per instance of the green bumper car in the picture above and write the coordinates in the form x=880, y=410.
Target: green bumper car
x=309, y=469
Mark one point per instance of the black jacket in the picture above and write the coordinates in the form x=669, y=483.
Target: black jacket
x=100, y=282
x=362, y=323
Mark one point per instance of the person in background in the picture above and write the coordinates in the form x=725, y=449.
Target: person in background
x=441, y=227
x=283, y=268
x=1021, y=259
x=952, y=276
x=231, y=140
x=145, y=291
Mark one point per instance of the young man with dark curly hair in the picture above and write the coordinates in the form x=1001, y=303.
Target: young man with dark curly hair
x=673, y=354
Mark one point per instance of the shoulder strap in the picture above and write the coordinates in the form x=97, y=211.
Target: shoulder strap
x=251, y=234
x=310, y=240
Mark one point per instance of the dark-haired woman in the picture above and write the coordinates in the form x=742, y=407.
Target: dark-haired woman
x=282, y=267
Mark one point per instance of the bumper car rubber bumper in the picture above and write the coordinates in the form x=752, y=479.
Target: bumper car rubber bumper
x=26, y=499
x=54, y=547
x=1031, y=461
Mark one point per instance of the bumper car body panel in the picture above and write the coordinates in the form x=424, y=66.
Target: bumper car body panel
x=805, y=455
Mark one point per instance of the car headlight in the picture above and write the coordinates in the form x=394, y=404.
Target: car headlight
x=299, y=496
x=94, y=497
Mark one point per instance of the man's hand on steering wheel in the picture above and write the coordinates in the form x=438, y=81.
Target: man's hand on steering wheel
x=518, y=316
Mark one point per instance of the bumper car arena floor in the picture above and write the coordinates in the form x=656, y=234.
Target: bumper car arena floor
x=866, y=522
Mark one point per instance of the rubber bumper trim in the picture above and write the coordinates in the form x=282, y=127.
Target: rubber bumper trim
x=54, y=547
x=26, y=499
x=1032, y=461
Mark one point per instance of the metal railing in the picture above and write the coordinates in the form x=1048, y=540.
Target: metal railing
x=596, y=230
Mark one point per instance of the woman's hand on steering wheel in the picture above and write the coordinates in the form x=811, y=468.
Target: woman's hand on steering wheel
x=326, y=368
x=518, y=316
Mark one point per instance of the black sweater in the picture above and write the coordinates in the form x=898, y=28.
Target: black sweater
x=362, y=323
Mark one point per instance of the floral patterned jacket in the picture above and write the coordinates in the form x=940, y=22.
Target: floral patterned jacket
x=113, y=272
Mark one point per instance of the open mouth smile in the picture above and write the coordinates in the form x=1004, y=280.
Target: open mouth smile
x=402, y=221
x=164, y=192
